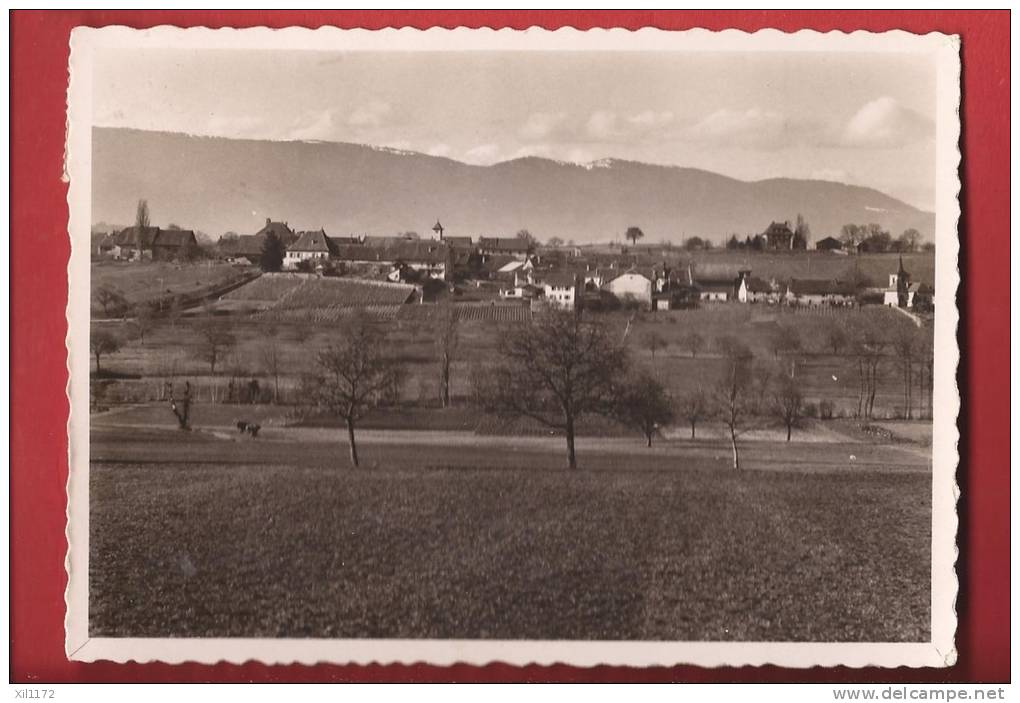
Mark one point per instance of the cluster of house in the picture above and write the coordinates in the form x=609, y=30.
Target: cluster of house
x=143, y=242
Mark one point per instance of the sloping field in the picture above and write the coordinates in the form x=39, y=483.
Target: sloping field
x=142, y=281
x=345, y=292
x=813, y=265
x=468, y=312
x=269, y=287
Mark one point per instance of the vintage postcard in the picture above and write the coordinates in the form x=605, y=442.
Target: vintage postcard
x=593, y=347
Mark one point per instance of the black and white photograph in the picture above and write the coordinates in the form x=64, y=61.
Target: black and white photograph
x=526, y=346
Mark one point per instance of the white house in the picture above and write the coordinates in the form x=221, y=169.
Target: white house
x=632, y=285
x=309, y=246
x=561, y=290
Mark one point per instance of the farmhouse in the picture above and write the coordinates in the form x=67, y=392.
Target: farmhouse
x=631, y=285
x=829, y=244
x=136, y=243
x=755, y=290
x=492, y=246
x=778, y=236
x=310, y=246
x=561, y=290
x=426, y=258
x=715, y=290
x=814, y=292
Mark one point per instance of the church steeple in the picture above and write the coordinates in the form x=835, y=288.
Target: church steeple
x=902, y=285
x=438, y=229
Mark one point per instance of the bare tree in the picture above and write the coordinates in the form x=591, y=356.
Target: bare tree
x=642, y=403
x=272, y=362
x=144, y=319
x=102, y=343
x=653, y=342
x=733, y=390
x=181, y=407
x=694, y=407
x=868, y=350
x=694, y=343
x=906, y=345
x=447, y=341
x=111, y=300
x=836, y=338
x=353, y=373
x=216, y=340
x=556, y=372
x=788, y=405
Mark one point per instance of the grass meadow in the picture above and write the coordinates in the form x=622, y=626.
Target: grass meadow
x=201, y=536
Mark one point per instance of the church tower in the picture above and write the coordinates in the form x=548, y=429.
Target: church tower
x=438, y=230
x=902, y=286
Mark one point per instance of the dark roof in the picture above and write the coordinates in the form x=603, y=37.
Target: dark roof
x=815, y=286
x=464, y=242
x=397, y=249
x=281, y=229
x=716, y=284
x=778, y=229
x=560, y=279
x=245, y=245
x=758, y=285
x=828, y=243
x=138, y=237
x=316, y=242
x=510, y=244
x=175, y=238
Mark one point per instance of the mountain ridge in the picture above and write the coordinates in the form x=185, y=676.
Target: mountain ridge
x=217, y=184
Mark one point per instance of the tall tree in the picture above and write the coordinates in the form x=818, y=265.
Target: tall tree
x=272, y=361
x=353, y=373
x=906, y=345
x=732, y=398
x=694, y=343
x=142, y=214
x=273, y=250
x=642, y=403
x=634, y=234
x=909, y=240
x=447, y=342
x=801, y=233
x=556, y=372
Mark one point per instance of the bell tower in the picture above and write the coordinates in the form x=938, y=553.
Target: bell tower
x=438, y=230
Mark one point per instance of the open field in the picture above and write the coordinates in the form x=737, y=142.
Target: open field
x=193, y=534
x=142, y=281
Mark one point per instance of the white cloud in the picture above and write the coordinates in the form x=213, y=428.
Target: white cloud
x=441, y=149
x=885, y=123
x=651, y=119
x=369, y=115
x=321, y=125
x=754, y=127
x=540, y=125
x=602, y=125
x=542, y=150
x=483, y=154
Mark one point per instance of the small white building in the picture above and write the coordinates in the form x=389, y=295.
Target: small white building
x=561, y=290
x=309, y=246
x=632, y=285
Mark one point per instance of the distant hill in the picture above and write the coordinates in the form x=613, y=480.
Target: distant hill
x=215, y=185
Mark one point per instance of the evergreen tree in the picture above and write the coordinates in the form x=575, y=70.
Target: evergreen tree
x=272, y=253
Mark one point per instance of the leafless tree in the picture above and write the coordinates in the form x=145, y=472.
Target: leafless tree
x=642, y=403
x=353, y=373
x=694, y=343
x=272, y=362
x=906, y=345
x=216, y=339
x=447, y=341
x=694, y=407
x=731, y=400
x=788, y=404
x=111, y=300
x=868, y=350
x=144, y=319
x=836, y=338
x=102, y=343
x=181, y=407
x=653, y=342
x=556, y=372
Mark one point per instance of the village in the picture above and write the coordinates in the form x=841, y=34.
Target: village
x=520, y=270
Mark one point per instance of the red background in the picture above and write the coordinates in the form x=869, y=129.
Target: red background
x=39, y=249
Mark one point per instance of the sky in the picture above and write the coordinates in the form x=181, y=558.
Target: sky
x=863, y=119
